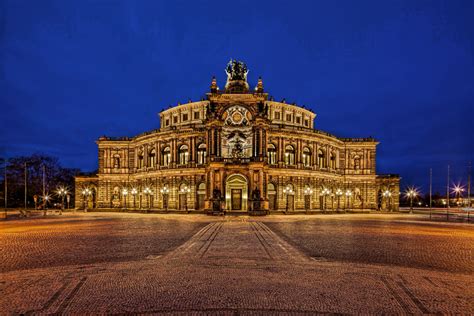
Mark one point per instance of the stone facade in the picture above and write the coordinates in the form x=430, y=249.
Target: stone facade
x=236, y=147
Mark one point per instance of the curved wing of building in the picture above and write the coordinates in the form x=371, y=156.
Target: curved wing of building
x=237, y=150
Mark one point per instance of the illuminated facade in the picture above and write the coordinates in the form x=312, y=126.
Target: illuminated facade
x=237, y=146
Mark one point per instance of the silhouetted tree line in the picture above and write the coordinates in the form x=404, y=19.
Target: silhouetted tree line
x=55, y=176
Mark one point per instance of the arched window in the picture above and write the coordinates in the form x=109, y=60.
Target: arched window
x=333, y=160
x=289, y=155
x=183, y=154
x=356, y=163
x=272, y=154
x=202, y=188
x=201, y=154
x=306, y=157
x=271, y=188
x=140, y=160
x=116, y=161
x=321, y=159
x=152, y=158
x=166, y=156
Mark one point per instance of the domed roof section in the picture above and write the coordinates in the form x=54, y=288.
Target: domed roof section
x=236, y=77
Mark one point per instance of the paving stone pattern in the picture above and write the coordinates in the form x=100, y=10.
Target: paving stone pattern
x=232, y=265
x=426, y=245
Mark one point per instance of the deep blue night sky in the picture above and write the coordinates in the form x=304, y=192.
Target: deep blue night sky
x=401, y=71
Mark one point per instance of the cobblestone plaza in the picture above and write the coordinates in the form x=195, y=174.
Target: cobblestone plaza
x=116, y=263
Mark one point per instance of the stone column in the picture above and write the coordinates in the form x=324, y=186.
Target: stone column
x=158, y=153
x=192, y=149
x=218, y=145
x=211, y=186
x=174, y=152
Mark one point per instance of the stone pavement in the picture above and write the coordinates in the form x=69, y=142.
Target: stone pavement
x=234, y=266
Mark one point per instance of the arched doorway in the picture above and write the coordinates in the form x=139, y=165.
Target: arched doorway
x=236, y=193
x=183, y=197
x=272, y=197
x=200, y=196
x=289, y=193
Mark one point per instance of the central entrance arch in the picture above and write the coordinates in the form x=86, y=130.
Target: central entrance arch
x=236, y=193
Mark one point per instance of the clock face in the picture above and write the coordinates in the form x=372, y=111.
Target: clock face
x=237, y=115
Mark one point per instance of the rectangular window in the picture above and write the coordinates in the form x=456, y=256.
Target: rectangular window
x=306, y=123
x=277, y=115
x=196, y=115
x=298, y=120
x=185, y=117
x=175, y=119
x=167, y=122
x=288, y=117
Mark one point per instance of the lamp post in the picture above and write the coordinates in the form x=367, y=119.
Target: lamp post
x=85, y=193
x=62, y=192
x=35, y=200
x=134, y=192
x=185, y=190
x=457, y=193
x=348, y=197
x=411, y=194
x=287, y=191
x=68, y=199
x=325, y=193
x=45, y=199
x=124, y=193
x=307, y=195
x=147, y=191
x=387, y=195
x=338, y=194
x=45, y=206
x=164, y=192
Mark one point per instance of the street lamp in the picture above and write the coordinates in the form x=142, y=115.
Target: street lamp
x=134, y=192
x=458, y=189
x=62, y=192
x=338, y=194
x=68, y=199
x=147, y=191
x=164, y=192
x=85, y=193
x=185, y=190
x=125, y=193
x=45, y=203
x=348, y=197
x=287, y=191
x=388, y=195
x=411, y=193
x=325, y=192
x=307, y=194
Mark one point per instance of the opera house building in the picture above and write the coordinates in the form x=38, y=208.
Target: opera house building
x=237, y=150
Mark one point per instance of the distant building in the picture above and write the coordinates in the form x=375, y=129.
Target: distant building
x=237, y=146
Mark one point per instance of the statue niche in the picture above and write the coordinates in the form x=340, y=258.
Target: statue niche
x=237, y=133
